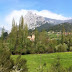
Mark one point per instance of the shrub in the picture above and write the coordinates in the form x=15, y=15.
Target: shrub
x=40, y=48
x=7, y=64
x=20, y=65
x=51, y=49
x=61, y=48
x=71, y=48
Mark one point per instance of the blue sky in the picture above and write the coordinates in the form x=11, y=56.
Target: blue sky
x=61, y=8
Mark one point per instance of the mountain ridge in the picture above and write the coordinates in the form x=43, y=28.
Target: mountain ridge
x=34, y=21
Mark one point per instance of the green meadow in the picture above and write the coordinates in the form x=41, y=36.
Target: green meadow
x=35, y=61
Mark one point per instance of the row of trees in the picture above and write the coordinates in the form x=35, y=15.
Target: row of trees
x=18, y=42
x=18, y=37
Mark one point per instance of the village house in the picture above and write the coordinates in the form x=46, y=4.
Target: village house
x=31, y=37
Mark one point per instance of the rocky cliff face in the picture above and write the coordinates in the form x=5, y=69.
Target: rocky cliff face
x=34, y=20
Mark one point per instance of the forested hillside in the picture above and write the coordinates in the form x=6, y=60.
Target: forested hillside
x=56, y=28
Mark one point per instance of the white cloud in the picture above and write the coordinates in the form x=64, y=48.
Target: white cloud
x=49, y=14
x=16, y=14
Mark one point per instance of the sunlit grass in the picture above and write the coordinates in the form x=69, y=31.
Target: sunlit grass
x=35, y=60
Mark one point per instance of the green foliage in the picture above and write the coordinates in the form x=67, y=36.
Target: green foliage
x=18, y=43
x=69, y=69
x=5, y=35
x=71, y=48
x=36, y=61
x=45, y=26
x=40, y=48
x=56, y=66
x=58, y=27
x=63, y=35
x=20, y=65
x=51, y=35
x=50, y=48
x=18, y=37
x=7, y=64
x=61, y=47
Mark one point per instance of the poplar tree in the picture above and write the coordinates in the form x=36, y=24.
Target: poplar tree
x=12, y=37
x=2, y=38
x=63, y=35
x=21, y=32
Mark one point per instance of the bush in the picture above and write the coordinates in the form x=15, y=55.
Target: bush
x=71, y=48
x=61, y=48
x=7, y=64
x=40, y=48
x=50, y=49
x=20, y=65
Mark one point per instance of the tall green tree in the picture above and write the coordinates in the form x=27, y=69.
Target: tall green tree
x=12, y=36
x=62, y=35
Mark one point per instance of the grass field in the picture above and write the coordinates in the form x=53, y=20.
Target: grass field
x=35, y=60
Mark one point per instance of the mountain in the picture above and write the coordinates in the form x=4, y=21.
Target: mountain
x=57, y=28
x=33, y=20
x=69, y=21
x=45, y=26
